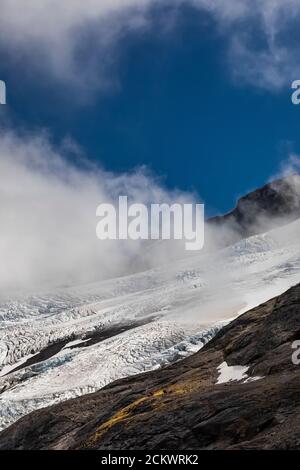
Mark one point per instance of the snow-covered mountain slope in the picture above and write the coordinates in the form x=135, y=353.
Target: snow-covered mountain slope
x=59, y=345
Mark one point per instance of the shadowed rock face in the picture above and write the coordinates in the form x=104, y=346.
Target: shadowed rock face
x=275, y=203
x=182, y=406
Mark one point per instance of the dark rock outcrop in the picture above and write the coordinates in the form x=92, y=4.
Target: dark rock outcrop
x=272, y=205
x=182, y=406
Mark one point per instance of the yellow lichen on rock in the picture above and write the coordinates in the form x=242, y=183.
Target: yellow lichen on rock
x=126, y=413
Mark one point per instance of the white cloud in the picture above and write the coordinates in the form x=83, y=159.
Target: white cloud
x=48, y=216
x=260, y=39
x=289, y=167
x=50, y=32
x=272, y=61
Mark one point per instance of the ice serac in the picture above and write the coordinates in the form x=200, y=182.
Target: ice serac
x=186, y=405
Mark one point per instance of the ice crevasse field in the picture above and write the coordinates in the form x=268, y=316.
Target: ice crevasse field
x=59, y=345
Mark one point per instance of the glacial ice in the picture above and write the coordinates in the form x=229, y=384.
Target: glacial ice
x=181, y=306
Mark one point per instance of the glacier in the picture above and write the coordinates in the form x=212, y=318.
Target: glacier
x=59, y=345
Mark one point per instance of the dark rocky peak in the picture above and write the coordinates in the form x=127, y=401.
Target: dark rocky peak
x=270, y=206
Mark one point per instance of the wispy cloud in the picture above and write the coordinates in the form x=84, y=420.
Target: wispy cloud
x=50, y=35
x=288, y=167
x=48, y=215
x=261, y=46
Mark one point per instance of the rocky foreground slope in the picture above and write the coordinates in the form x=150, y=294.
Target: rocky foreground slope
x=194, y=403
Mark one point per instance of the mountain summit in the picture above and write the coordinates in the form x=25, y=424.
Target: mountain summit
x=274, y=204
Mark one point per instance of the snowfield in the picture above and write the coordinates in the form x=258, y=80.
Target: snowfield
x=76, y=340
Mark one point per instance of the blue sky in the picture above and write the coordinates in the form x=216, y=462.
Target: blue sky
x=171, y=103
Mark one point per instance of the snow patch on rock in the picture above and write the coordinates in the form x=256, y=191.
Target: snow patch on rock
x=234, y=373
